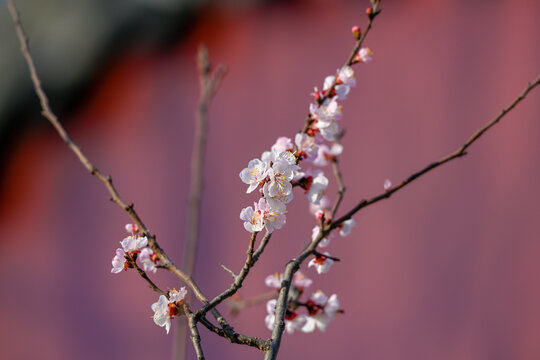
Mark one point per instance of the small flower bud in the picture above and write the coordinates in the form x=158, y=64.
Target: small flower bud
x=356, y=32
x=387, y=184
x=132, y=228
x=369, y=12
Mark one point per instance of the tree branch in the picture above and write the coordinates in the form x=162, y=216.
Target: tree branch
x=208, y=82
x=106, y=180
x=251, y=259
x=462, y=151
x=195, y=337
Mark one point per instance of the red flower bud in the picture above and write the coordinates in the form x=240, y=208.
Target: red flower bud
x=356, y=32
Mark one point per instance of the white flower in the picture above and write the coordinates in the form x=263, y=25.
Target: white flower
x=256, y=172
x=177, y=295
x=317, y=188
x=326, y=113
x=346, y=226
x=307, y=147
x=161, y=313
x=165, y=309
x=315, y=233
x=344, y=82
x=148, y=259
x=319, y=209
x=273, y=220
x=328, y=132
x=346, y=76
x=321, y=310
x=134, y=243
x=387, y=184
x=293, y=321
x=300, y=281
x=321, y=263
x=253, y=219
x=262, y=216
x=282, y=144
x=118, y=262
x=274, y=281
x=324, y=154
x=364, y=55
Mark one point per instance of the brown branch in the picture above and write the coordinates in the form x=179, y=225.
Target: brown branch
x=106, y=180
x=151, y=284
x=341, y=187
x=251, y=259
x=462, y=151
x=208, y=82
x=195, y=337
x=234, y=337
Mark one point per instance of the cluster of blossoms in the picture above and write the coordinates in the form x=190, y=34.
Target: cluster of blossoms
x=136, y=247
x=278, y=171
x=320, y=309
x=133, y=247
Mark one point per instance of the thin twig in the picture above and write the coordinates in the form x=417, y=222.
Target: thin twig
x=462, y=151
x=229, y=271
x=208, y=82
x=151, y=284
x=106, y=180
x=341, y=187
x=251, y=259
x=234, y=337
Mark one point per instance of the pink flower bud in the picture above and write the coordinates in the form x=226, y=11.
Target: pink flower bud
x=387, y=184
x=132, y=228
x=356, y=31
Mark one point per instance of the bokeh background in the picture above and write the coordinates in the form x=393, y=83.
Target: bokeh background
x=446, y=269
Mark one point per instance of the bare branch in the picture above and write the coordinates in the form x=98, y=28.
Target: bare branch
x=209, y=83
x=106, y=180
x=462, y=151
x=195, y=337
x=251, y=259
x=151, y=284
x=234, y=337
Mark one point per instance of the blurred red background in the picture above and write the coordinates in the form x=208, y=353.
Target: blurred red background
x=448, y=268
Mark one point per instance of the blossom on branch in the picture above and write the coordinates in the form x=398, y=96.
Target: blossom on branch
x=274, y=281
x=321, y=311
x=364, y=55
x=293, y=320
x=317, y=188
x=326, y=154
x=119, y=261
x=254, y=174
x=166, y=308
x=126, y=257
x=134, y=243
x=315, y=233
x=260, y=216
x=321, y=263
x=148, y=259
x=346, y=226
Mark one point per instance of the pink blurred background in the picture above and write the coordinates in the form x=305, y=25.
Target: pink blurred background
x=448, y=268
